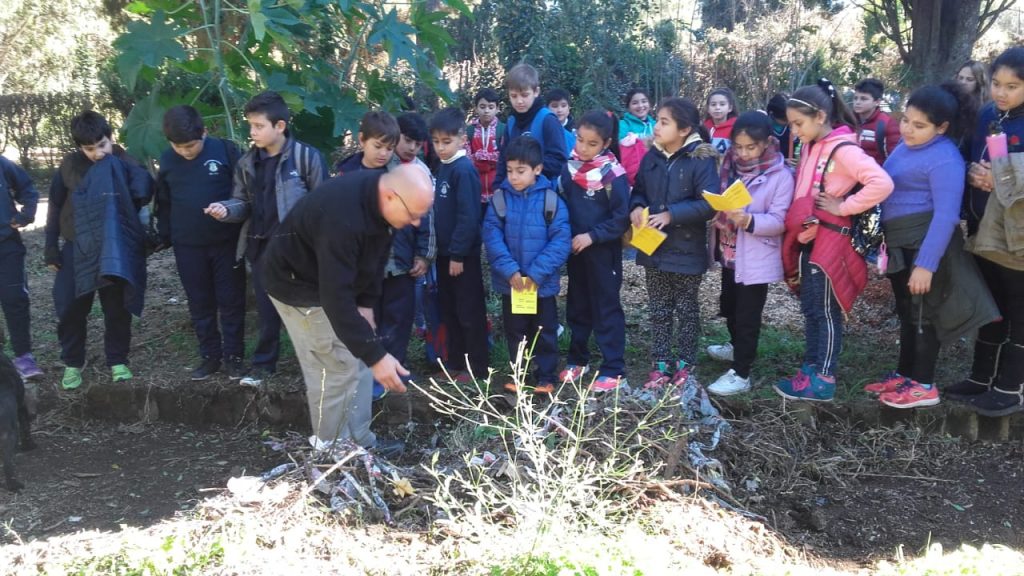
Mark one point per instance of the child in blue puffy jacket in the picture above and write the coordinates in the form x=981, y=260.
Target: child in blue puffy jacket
x=526, y=231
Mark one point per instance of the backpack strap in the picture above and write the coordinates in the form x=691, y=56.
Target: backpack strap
x=880, y=140
x=550, y=204
x=828, y=162
x=498, y=203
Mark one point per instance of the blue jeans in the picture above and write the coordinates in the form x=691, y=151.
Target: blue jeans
x=823, y=318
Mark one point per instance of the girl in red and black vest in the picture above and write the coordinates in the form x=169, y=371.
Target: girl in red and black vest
x=818, y=260
x=721, y=115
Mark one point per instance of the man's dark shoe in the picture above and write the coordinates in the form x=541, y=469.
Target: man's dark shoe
x=209, y=367
x=389, y=448
x=234, y=368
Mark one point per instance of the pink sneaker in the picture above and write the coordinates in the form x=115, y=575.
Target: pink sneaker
x=572, y=373
x=911, y=394
x=659, y=377
x=606, y=383
x=888, y=383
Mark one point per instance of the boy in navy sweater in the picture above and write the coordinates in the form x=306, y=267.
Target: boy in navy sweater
x=460, y=286
x=531, y=117
x=378, y=135
x=195, y=172
x=16, y=187
x=100, y=255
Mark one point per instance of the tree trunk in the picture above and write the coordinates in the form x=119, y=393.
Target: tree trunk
x=943, y=34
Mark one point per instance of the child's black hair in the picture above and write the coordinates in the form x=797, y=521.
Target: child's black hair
x=89, y=128
x=557, y=95
x=413, y=126
x=776, y=107
x=486, y=94
x=525, y=149
x=449, y=122
x=947, y=102
x=756, y=125
x=1013, y=59
x=271, y=105
x=822, y=97
x=729, y=97
x=872, y=86
x=684, y=113
x=605, y=124
x=183, y=124
x=380, y=125
x=634, y=92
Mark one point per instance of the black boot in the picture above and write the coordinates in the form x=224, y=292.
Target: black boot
x=983, y=373
x=1007, y=394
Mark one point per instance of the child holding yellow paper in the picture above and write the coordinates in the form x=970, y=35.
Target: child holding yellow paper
x=526, y=231
x=674, y=172
x=747, y=242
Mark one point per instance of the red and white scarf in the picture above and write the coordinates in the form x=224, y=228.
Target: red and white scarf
x=596, y=173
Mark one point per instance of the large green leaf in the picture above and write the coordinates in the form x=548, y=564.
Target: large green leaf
x=395, y=37
x=143, y=128
x=147, y=44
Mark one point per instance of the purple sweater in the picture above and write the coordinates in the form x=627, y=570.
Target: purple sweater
x=927, y=178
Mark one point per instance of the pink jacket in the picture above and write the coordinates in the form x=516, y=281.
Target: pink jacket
x=759, y=253
x=832, y=251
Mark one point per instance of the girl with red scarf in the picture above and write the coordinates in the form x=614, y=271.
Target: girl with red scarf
x=818, y=260
x=597, y=194
x=747, y=243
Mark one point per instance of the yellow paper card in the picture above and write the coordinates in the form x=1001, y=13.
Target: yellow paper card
x=645, y=238
x=525, y=301
x=734, y=197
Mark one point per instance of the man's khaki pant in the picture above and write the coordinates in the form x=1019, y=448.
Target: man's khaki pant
x=339, y=387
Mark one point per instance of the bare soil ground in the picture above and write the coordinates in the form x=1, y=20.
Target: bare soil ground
x=846, y=496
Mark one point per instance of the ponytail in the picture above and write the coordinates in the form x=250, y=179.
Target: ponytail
x=684, y=112
x=840, y=113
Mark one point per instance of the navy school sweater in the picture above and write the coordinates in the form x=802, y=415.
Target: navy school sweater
x=185, y=187
x=552, y=142
x=602, y=213
x=457, y=208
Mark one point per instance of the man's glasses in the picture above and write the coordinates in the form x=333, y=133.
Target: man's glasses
x=406, y=206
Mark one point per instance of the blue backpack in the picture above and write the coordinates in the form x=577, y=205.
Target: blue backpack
x=536, y=130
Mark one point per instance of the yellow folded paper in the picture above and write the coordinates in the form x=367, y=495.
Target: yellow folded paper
x=734, y=197
x=645, y=238
x=525, y=301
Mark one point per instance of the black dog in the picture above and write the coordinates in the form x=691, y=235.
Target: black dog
x=14, y=419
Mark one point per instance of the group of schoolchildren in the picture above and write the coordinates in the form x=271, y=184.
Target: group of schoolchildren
x=542, y=190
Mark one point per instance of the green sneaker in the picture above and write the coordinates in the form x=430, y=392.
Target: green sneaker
x=120, y=372
x=72, y=378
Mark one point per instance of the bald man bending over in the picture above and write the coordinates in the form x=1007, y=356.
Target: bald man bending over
x=323, y=271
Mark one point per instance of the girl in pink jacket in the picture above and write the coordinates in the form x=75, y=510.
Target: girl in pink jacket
x=818, y=260
x=747, y=243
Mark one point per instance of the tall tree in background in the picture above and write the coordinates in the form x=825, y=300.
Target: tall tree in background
x=934, y=36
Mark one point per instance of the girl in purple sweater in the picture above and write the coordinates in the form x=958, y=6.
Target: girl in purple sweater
x=748, y=244
x=921, y=220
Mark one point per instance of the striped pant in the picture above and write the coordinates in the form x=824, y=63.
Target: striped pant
x=823, y=318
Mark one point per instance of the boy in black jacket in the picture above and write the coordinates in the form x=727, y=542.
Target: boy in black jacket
x=99, y=254
x=269, y=179
x=194, y=173
x=460, y=285
x=16, y=187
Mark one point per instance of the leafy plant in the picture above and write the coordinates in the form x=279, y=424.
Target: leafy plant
x=329, y=59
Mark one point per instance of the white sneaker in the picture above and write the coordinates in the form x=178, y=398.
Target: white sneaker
x=729, y=383
x=721, y=352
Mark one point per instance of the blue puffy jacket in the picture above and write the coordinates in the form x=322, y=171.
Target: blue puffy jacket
x=524, y=242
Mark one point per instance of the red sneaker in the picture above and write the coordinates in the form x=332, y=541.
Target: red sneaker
x=911, y=394
x=888, y=383
x=572, y=373
x=545, y=388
